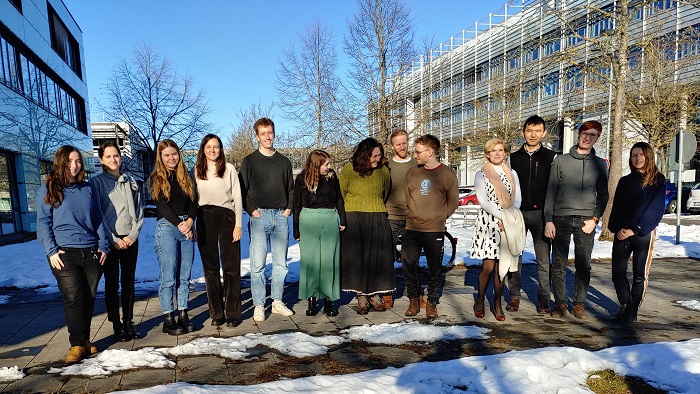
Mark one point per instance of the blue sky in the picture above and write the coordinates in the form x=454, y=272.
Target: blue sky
x=231, y=47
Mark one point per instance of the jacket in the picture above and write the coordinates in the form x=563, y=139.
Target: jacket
x=533, y=171
x=636, y=207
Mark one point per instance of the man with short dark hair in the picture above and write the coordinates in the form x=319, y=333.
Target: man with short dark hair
x=577, y=193
x=432, y=196
x=533, y=162
x=267, y=187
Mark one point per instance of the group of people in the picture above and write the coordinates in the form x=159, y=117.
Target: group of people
x=560, y=196
x=348, y=226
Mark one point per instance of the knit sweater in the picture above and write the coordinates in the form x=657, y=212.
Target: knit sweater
x=636, y=207
x=266, y=182
x=222, y=192
x=396, y=204
x=365, y=194
x=120, y=200
x=432, y=196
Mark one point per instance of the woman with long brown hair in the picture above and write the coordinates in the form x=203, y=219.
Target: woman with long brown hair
x=319, y=212
x=637, y=209
x=69, y=226
x=173, y=192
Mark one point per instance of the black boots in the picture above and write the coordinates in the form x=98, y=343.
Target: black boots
x=312, y=310
x=130, y=329
x=630, y=315
x=620, y=313
x=185, y=322
x=171, y=326
x=120, y=333
x=328, y=309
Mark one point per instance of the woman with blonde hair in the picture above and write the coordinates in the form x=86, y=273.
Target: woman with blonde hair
x=174, y=195
x=496, y=188
x=319, y=214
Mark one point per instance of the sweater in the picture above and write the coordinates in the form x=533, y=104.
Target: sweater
x=365, y=194
x=432, y=196
x=533, y=171
x=222, y=192
x=636, y=207
x=396, y=204
x=180, y=203
x=327, y=196
x=578, y=186
x=120, y=200
x=266, y=182
x=76, y=223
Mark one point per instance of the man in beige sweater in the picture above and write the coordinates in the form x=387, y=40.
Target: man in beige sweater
x=432, y=196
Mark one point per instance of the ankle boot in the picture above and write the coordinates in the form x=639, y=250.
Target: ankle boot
x=184, y=321
x=170, y=325
x=620, y=313
x=328, y=309
x=120, y=334
x=312, y=310
x=631, y=315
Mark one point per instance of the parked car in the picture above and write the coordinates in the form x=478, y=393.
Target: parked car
x=672, y=197
x=464, y=190
x=469, y=199
x=693, y=204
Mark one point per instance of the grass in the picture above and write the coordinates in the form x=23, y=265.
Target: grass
x=608, y=382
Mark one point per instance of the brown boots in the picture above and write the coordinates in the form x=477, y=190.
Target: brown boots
x=75, y=354
x=413, y=307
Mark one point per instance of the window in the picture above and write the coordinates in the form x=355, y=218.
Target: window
x=551, y=84
x=529, y=91
x=63, y=42
x=482, y=71
x=551, y=42
x=601, y=22
x=576, y=33
x=514, y=59
x=574, y=78
x=531, y=52
x=496, y=66
x=470, y=76
x=8, y=61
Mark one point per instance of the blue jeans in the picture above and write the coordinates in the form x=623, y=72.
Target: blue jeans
x=175, y=257
x=567, y=226
x=270, y=227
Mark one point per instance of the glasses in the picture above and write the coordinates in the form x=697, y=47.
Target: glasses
x=418, y=152
x=588, y=135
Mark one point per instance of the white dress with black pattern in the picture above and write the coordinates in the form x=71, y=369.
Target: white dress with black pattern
x=487, y=237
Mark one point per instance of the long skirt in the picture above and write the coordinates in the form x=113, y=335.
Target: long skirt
x=319, y=244
x=367, y=258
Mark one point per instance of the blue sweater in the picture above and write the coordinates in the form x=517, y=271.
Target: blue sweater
x=637, y=208
x=76, y=223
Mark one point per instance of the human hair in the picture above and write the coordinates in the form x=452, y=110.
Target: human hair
x=491, y=145
x=58, y=177
x=533, y=120
x=591, y=124
x=263, y=122
x=201, y=166
x=312, y=168
x=650, y=171
x=431, y=142
x=361, y=156
x=101, y=150
x=397, y=133
x=158, y=181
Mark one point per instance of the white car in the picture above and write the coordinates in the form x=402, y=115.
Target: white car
x=693, y=204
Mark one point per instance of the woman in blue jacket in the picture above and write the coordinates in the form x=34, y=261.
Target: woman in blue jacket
x=69, y=226
x=637, y=209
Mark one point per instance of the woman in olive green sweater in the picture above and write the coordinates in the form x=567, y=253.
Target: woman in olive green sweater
x=367, y=258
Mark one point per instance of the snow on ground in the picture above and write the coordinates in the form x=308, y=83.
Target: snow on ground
x=670, y=366
x=692, y=304
x=398, y=333
x=8, y=374
x=4, y=299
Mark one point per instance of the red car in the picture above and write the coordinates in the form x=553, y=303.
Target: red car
x=469, y=199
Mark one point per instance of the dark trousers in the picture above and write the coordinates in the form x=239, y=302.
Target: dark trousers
x=397, y=228
x=534, y=223
x=77, y=281
x=215, y=240
x=411, y=244
x=566, y=226
x=123, y=260
x=640, y=248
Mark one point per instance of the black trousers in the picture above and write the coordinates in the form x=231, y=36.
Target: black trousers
x=215, y=241
x=77, y=281
x=411, y=244
x=641, y=250
x=124, y=261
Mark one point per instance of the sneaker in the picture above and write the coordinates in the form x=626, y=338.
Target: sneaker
x=513, y=305
x=579, y=312
x=279, y=308
x=75, y=354
x=560, y=311
x=259, y=313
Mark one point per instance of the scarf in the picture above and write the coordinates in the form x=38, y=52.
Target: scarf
x=504, y=198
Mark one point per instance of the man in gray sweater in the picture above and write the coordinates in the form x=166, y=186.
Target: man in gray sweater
x=577, y=193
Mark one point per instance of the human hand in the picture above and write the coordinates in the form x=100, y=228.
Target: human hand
x=121, y=244
x=342, y=228
x=256, y=214
x=185, y=226
x=588, y=226
x=237, y=234
x=549, y=230
x=624, y=233
x=55, y=260
x=287, y=213
x=103, y=256
x=500, y=225
x=128, y=241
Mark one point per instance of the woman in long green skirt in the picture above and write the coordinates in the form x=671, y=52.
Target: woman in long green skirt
x=319, y=216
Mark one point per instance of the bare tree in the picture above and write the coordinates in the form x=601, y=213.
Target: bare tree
x=155, y=101
x=307, y=86
x=242, y=141
x=380, y=44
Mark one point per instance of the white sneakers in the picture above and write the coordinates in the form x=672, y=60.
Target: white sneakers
x=259, y=313
x=279, y=308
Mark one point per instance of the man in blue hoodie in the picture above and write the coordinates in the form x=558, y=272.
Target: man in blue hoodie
x=577, y=193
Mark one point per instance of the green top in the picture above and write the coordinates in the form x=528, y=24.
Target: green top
x=365, y=194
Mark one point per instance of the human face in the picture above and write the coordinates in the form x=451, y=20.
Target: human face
x=497, y=155
x=587, y=138
x=74, y=166
x=323, y=170
x=212, y=149
x=375, y=158
x=638, y=159
x=422, y=154
x=111, y=160
x=400, y=145
x=533, y=135
x=170, y=158
x=265, y=137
